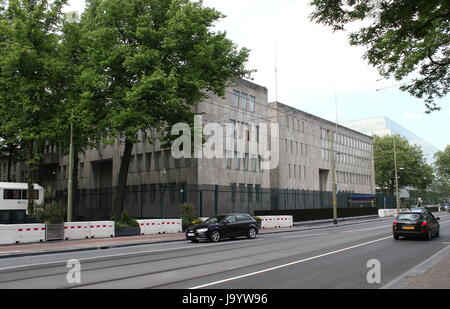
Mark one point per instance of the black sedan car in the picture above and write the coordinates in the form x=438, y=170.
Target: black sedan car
x=418, y=222
x=223, y=226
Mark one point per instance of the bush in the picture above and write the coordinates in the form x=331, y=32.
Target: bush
x=196, y=221
x=257, y=219
x=124, y=221
x=188, y=215
x=51, y=213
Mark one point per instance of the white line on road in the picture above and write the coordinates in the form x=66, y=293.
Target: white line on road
x=288, y=264
x=125, y=254
x=367, y=229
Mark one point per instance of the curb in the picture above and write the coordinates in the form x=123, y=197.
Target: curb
x=404, y=280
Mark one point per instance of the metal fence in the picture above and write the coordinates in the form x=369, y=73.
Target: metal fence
x=158, y=201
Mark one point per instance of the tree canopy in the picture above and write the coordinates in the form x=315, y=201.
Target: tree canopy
x=442, y=163
x=405, y=39
x=151, y=61
x=412, y=168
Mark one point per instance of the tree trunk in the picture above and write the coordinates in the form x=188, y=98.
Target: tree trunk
x=30, y=179
x=122, y=181
x=10, y=157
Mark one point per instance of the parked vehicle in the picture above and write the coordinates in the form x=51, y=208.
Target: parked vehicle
x=446, y=206
x=223, y=226
x=14, y=201
x=418, y=223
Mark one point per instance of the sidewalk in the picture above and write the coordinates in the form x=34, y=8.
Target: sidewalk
x=103, y=243
x=436, y=277
x=433, y=273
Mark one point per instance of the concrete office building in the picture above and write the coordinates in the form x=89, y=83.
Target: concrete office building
x=306, y=150
x=382, y=126
x=158, y=184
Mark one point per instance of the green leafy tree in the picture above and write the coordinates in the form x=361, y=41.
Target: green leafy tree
x=442, y=163
x=30, y=76
x=83, y=106
x=151, y=61
x=412, y=168
x=10, y=152
x=442, y=168
x=404, y=39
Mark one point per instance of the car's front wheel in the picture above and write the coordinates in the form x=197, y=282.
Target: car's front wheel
x=214, y=236
x=251, y=233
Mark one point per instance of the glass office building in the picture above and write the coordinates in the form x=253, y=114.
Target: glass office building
x=382, y=126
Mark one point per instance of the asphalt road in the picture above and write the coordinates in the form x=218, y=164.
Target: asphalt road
x=334, y=257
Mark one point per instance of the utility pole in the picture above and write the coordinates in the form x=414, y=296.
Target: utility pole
x=397, y=195
x=70, y=181
x=333, y=175
x=334, y=153
x=71, y=17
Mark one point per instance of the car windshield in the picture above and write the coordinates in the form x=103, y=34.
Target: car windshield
x=409, y=216
x=215, y=219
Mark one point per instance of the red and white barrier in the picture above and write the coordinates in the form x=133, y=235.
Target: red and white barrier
x=268, y=222
x=276, y=221
x=382, y=213
x=171, y=226
x=160, y=226
x=7, y=235
x=101, y=229
x=285, y=221
x=22, y=233
x=92, y=229
x=150, y=227
x=77, y=230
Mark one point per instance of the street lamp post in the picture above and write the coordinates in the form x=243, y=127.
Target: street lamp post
x=397, y=197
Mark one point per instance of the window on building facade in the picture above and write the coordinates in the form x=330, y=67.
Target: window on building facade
x=158, y=160
x=237, y=161
x=148, y=161
x=139, y=163
x=244, y=101
x=246, y=159
x=236, y=95
x=252, y=103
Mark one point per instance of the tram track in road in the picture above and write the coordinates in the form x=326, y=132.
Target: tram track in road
x=244, y=268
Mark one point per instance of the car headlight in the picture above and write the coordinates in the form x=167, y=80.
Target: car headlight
x=202, y=230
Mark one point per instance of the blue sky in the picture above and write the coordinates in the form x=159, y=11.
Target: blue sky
x=313, y=61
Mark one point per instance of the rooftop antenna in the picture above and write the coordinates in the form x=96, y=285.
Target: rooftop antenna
x=276, y=74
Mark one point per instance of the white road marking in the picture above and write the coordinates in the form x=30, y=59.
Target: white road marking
x=125, y=254
x=288, y=264
x=367, y=229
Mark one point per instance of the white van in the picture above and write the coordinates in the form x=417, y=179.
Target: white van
x=13, y=195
